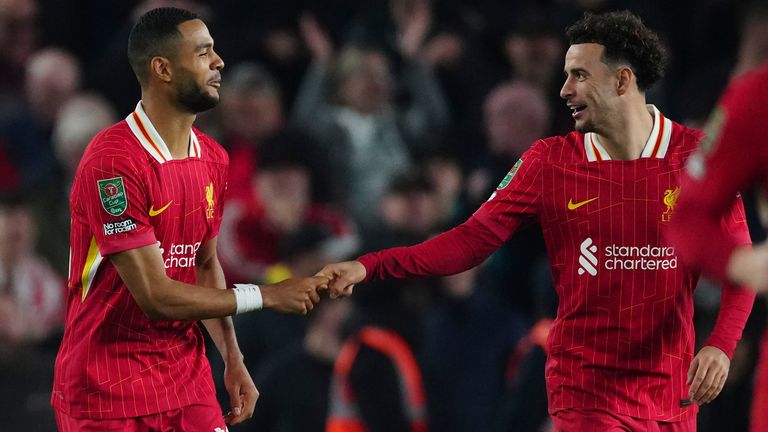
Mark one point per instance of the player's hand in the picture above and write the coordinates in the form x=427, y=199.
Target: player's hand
x=343, y=276
x=748, y=267
x=707, y=374
x=242, y=393
x=297, y=296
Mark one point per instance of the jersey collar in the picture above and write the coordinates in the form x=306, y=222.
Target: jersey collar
x=655, y=148
x=153, y=143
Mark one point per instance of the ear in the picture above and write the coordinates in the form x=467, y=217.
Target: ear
x=625, y=79
x=161, y=68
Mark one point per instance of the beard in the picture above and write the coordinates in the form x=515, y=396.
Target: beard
x=585, y=126
x=192, y=97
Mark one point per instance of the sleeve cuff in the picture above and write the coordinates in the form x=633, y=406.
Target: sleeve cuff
x=121, y=245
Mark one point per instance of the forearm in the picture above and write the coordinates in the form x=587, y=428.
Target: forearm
x=735, y=307
x=221, y=330
x=449, y=253
x=163, y=298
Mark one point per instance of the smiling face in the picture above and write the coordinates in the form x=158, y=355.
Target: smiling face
x=198, y=68
x=590, y=88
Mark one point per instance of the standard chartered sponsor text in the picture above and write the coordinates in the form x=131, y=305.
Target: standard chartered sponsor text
x=640, y=257
x=181, y=255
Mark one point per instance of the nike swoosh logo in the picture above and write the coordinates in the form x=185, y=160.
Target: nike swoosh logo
x=573, y=206
x=153, y=212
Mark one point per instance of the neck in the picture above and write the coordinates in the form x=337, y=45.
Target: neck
x=625, y=140
x=172, y=123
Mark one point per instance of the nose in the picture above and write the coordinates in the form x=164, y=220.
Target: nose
x=218, y=63
x=567, y=90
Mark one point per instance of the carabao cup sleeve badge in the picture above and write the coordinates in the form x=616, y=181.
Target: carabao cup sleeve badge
x=510, y=175
x=112, y=194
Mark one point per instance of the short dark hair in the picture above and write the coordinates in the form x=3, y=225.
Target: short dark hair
x=626, y=40
x=152, y=36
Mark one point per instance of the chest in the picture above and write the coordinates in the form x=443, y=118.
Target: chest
x=184, y=197
x=630, y=200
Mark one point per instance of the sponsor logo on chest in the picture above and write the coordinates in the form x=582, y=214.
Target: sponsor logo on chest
x=622, y=257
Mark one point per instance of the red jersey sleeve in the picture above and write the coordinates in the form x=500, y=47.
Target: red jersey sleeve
x=517, y=199
x=469, y=244
x=731, y=156
x=112, y=195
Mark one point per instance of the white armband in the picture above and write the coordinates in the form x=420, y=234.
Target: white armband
x=248, y=298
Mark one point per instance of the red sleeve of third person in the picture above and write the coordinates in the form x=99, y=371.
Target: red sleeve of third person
x=727, y=161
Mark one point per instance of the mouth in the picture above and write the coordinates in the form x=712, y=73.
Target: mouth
x=215, y=83
x=576, y=110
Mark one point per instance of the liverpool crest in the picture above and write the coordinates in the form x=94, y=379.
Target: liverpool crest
x=209, y=198
x=670, y=200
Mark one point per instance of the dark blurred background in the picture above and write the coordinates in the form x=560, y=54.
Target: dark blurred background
x=351, y=126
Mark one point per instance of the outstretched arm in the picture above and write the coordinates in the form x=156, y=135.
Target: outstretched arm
x=451, y=252
x=163, y=298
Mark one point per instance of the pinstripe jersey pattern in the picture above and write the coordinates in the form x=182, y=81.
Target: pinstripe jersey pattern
x=114, y=362
x=623, y=338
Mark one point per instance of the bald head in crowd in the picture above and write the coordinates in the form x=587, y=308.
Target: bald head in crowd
x=53, y=77
x=516, y=115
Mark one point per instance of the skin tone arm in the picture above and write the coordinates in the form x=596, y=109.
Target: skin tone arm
x=163, y=298
x=240, y=387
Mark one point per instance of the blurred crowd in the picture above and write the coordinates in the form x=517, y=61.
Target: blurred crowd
x=351, y=126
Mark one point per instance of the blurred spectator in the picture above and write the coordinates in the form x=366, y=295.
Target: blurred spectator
x=377, y=384
x=280, y=204
x=409, y=212
x=510, y=131
x=18, y=37
x=31, y=317
x=467, y=335
x=250, y=111
x=296, y=379
x=79, y=120
x=31, y=294
x=52, y=79
x=445, y=172
x=534, y=50
x=349, y=106
x=753, y=44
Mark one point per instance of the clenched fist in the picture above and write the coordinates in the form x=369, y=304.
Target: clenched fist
x=297, y=296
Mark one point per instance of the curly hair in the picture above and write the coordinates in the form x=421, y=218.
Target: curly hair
x=626, y=40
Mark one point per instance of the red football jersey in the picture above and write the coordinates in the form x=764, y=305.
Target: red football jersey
x=623, y=338
x=733, y=156
x=129, y=192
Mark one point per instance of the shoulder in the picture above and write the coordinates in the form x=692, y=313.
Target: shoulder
x=559, y=149
x=115, y=146
x=210, y=149
x=683, y=141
